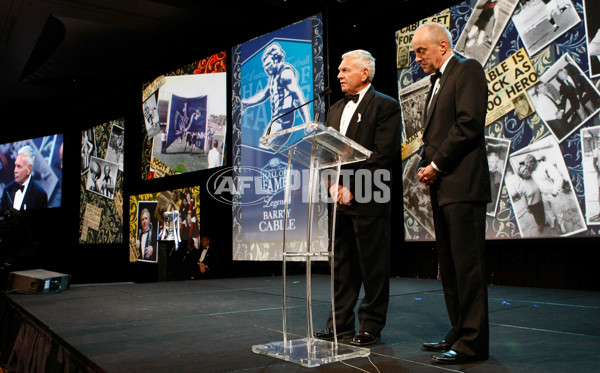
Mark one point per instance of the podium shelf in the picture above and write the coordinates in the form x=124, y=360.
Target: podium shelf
x=311, y=352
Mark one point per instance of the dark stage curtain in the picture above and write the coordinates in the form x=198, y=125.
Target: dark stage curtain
x=27, y=346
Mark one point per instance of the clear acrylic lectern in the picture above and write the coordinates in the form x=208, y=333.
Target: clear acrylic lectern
x=318, y=148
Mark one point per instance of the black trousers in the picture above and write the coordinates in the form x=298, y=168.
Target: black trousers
x=460, y=241
x=361, y=255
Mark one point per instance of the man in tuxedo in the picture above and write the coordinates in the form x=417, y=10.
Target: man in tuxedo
x=209, y=260
x=362, y=222
x=190, y=235
x=455, y=169
x=569, y=94
x=24, y=193
x=146, y=241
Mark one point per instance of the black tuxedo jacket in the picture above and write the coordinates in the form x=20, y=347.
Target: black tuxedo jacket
x=568, y=94
x=35, y=197
x=212, y=260
x=453, y=134
x=150, y=241
x=376, y=125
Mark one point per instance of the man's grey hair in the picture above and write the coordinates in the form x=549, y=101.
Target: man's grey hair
x=365, y=59
x=28, y=154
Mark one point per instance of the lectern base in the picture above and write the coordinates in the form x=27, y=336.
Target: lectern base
x=310, y=353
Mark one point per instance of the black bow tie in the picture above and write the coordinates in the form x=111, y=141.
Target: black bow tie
x=21, y=188
x=348, y=97
x=435, y=77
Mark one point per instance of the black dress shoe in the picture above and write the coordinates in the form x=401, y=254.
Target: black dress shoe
x=453, y=357
x=327, y=334
x=364, y=339
x=441, y=346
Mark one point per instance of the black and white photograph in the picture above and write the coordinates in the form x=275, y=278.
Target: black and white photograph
x=416, y=196
x=114, y=152
x=484, y=28
x=540, y=22
x=151, y=118
x=88, y=149
x=147, y=232
x=591, y=11
x=102, y=177
x=497, y=155
x=541, y=192
x=412, y=99
x=564, y=98
x=590, y=150
x=403, y=57
x=523, y=106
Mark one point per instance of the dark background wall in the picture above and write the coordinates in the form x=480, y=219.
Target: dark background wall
x=49, y=239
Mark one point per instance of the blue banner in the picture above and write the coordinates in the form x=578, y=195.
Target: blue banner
x=275, y=76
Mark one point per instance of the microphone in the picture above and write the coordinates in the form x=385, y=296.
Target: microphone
x=323, y=93
x=9, y=199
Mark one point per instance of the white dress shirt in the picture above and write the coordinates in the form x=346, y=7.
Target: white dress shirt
x=349, y=110
x=19, y=195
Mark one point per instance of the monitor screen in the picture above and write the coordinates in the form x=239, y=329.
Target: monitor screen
x=185, y=118
x=31, y=173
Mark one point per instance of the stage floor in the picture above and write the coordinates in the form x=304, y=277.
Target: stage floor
x=211, y=326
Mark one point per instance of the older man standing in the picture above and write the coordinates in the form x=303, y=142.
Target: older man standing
x=362, y=225
x=455, y=169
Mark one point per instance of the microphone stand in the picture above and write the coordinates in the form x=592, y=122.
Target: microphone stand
x=326, y=91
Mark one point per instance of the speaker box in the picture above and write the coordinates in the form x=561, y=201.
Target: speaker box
x=38, y=281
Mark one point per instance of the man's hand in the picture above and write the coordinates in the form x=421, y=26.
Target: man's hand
x=428, y=175
x=203, y=267
x=342, y=195
x=148, y=252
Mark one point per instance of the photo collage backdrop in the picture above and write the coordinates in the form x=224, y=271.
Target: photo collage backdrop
x=101, y=187
x=542, y=126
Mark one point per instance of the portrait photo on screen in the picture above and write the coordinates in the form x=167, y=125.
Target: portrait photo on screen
x=541, y=191
x=147, y=235
x=31, y=173
x=164, y=227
